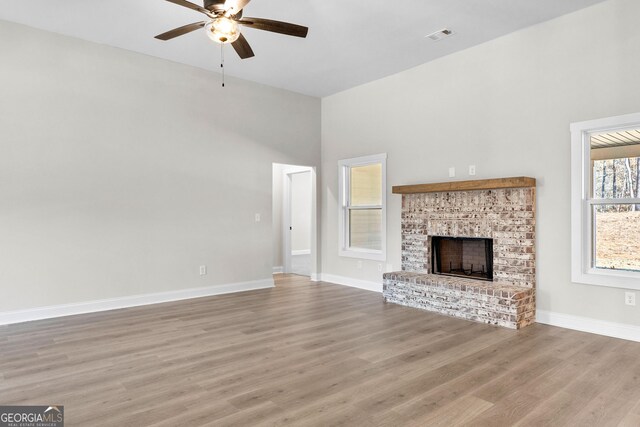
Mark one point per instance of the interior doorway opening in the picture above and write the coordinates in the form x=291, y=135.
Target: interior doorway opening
x=294, y=220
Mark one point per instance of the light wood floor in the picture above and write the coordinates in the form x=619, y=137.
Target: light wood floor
x=314, y=354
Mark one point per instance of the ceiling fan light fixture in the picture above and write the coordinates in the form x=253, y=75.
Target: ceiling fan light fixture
x=223, y=30
x=224, y=21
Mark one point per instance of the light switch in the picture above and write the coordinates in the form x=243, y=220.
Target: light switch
x=257, y=217
x=452, y=172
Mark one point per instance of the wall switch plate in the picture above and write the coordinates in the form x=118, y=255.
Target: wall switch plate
x=359, y=264
x=472, y=170
x=452, y=172
x=257, y=217
x=203, y=270
x=630, y=298
x=380, y=267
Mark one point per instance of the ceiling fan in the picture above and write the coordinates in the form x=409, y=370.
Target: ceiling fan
x=223, y=26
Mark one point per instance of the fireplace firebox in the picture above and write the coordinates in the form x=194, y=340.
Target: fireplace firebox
x=461, y=256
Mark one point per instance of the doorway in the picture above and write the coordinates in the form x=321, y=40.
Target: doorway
x=295, y=230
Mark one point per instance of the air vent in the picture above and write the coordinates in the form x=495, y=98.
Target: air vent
x=439, y=35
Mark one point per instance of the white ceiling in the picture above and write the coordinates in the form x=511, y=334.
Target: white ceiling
x=349, y=42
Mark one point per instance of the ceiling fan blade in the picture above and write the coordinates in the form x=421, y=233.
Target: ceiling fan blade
x=192, y=6
x=236, y=5
x=275, y=26
x=242, y=48
x=180, y=31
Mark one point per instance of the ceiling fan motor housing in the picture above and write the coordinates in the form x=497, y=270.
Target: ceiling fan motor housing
x=216, y=6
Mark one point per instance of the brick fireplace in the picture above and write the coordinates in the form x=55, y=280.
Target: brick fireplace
x=468, y=250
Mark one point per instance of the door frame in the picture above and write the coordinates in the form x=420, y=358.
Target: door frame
x=286, y=218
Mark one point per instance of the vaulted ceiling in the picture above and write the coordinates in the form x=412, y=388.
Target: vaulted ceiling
x=349, y=43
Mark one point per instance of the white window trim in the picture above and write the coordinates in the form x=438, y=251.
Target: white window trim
x=581, y=211
x=343, y=181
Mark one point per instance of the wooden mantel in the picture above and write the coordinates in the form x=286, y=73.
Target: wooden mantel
x=480, y=184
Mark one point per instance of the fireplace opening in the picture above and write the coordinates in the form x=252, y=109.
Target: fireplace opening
x=464, y=257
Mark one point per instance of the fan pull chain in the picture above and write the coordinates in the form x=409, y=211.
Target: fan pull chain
x=222, y=61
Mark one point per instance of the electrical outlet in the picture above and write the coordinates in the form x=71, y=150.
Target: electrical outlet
x=472, y=170
x=359, y=264
x=452, y=172
x=630, y=298
x=203, y=270
x=257, y=217
x=380, y=267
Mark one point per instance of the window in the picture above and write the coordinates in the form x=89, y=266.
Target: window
x=363, y=207
x=606, y=202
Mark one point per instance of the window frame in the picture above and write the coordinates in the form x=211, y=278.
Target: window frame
x=344, y=166
x=582, y=205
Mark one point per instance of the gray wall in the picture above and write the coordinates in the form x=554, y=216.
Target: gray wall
x=504, y=106
x=121, y=173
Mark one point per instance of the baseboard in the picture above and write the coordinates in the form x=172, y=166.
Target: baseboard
x=278, y=270
x=302, y=252
x=586, y=324
x=354, y=283
x=40, y=313
x=315, y=277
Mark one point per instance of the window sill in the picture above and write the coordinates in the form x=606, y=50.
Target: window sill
x=611, y=279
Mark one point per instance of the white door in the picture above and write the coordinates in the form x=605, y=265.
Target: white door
x=298, y=223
